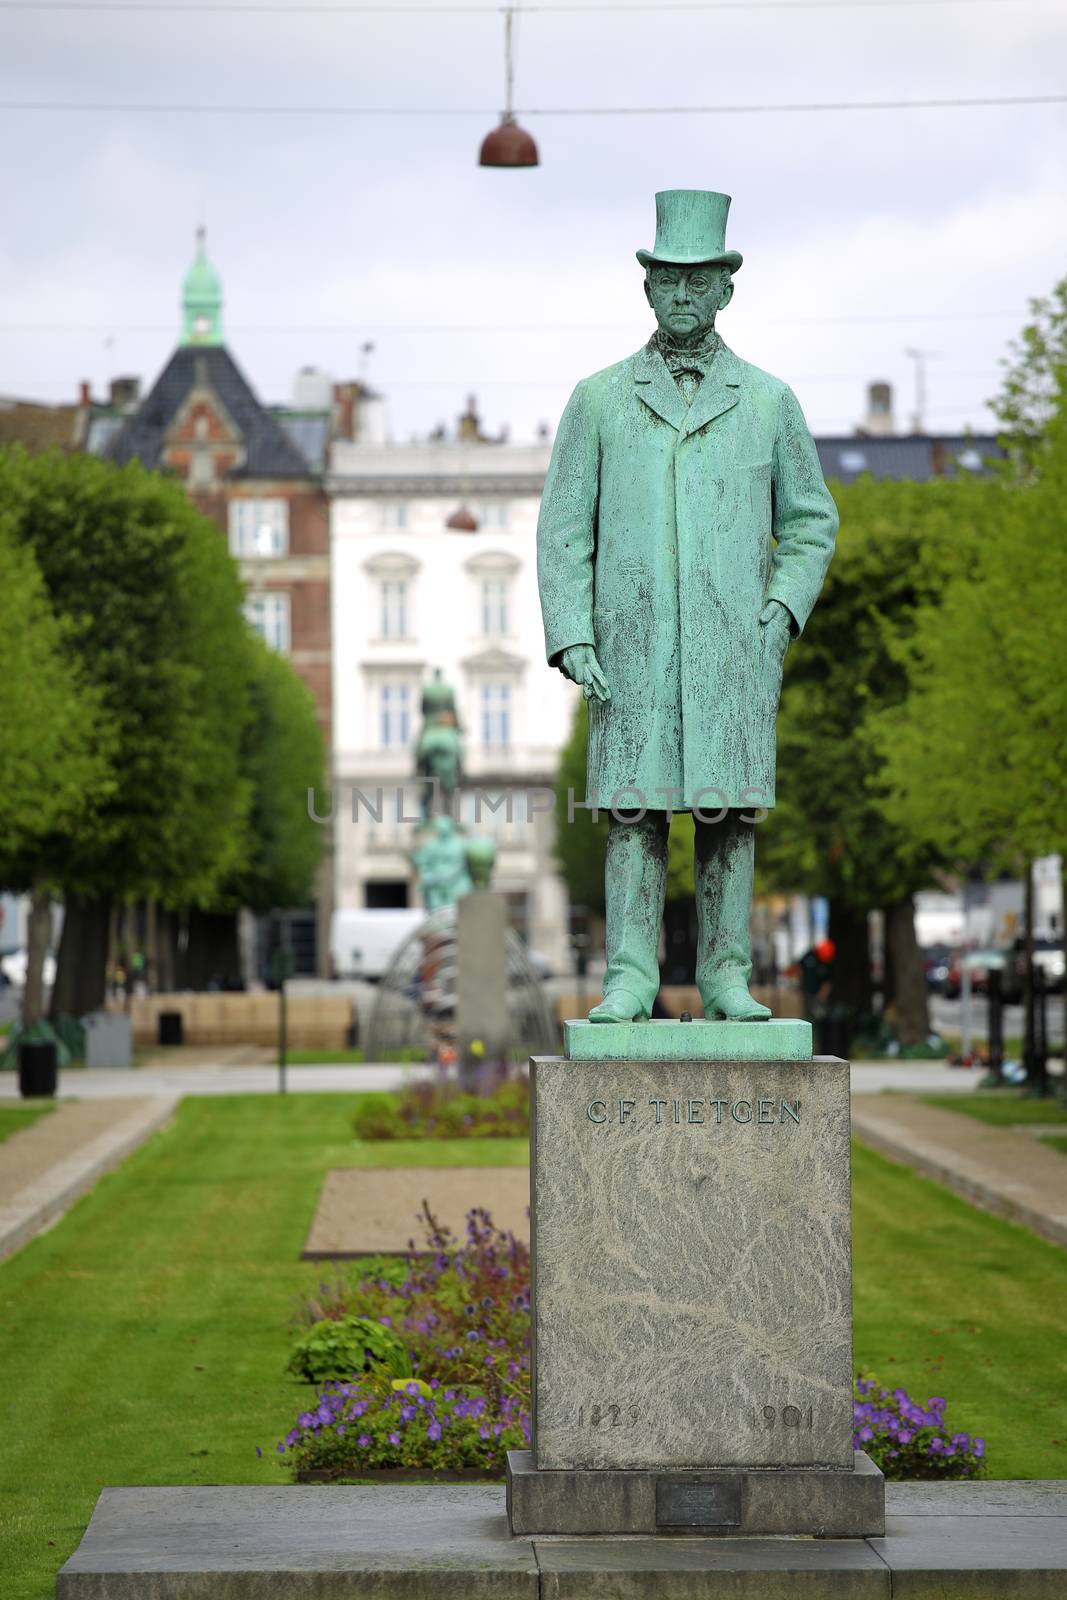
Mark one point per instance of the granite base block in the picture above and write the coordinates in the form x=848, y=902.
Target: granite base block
x=691, y=1265
x=777, y=1039
x=822, y=1504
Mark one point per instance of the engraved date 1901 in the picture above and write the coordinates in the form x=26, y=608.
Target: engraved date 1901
x=768, y=1417
x=609, y=1416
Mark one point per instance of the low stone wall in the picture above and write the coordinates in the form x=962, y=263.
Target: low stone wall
x=315, y=1022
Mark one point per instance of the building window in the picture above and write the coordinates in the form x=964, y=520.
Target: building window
x=394, y=715
x=259, y=527
x=493, y=514
x=394, y=514
x=496, y=716
x=495, y=592
x=394, y=608
x=268, y=615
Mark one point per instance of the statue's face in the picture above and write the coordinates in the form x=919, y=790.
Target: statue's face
x=685, y=299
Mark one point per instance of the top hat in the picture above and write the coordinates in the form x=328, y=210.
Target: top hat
x=691, y=228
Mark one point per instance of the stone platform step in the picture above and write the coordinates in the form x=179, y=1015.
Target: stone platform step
x=980, y=1541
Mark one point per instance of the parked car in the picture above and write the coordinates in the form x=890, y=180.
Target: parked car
x=1048, y=955
x=979, y=963
x=937, y=960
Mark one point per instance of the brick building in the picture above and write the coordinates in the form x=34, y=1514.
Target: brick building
x=256, y=472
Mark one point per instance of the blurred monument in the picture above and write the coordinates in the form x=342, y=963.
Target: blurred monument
x=462, y=985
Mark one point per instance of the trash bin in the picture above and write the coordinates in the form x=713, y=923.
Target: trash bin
x=38, y=1069
x=170, y=1027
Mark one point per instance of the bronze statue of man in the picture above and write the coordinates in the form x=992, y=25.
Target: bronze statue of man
x=684, y=535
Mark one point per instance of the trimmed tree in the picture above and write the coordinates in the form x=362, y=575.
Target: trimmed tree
x=150, y=605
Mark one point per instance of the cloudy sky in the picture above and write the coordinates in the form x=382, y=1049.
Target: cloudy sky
x=865, y=233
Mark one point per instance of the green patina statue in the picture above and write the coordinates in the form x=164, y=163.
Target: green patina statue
x=440, y=859
x=684, y=536
x=439, y=751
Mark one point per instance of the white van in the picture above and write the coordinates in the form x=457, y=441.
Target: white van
x=363, y=943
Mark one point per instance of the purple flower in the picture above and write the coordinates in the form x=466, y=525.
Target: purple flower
x=394, y=1438
x=364, y=1440
x=434, y=1431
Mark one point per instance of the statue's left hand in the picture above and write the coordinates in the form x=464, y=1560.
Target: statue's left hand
x=778, y=619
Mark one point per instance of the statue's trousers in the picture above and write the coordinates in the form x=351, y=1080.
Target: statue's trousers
x=636, y=884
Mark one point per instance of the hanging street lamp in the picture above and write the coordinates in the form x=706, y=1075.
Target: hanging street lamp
x=509, y=145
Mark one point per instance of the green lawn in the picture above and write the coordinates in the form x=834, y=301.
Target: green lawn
x=1003, y=1108
x=1057, y=1143
x=23, y=1115
x=145, y=1337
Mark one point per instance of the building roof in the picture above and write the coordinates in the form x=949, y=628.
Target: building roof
x=915, y=457
x=268, y=451
x=309, y=431
x=37, y=426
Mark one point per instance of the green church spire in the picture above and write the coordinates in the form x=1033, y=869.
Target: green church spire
x=201, y=300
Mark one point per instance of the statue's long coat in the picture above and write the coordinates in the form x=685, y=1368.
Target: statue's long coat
x=664, y=530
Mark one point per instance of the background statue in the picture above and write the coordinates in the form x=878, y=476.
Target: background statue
x=684, y=536
x=441, y=863
x=439, y=751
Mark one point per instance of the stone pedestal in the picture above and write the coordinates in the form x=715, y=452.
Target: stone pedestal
x=482, y=974
x=692, y=1314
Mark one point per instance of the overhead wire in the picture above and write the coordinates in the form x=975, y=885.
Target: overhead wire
x=736, y=109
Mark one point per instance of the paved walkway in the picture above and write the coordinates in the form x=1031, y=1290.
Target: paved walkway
x=1000, y=1169
x=44, y=1168
x=226, y=1076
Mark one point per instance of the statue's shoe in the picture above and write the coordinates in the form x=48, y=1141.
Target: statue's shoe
x=735, y=1004
x=619, y=1005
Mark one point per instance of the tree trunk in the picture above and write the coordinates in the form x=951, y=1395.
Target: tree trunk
x=168, y=950
x=38, y=938
x=908, y=996
x=852, y=960
x=212, y=958
x=81, y=969
x=151, y=946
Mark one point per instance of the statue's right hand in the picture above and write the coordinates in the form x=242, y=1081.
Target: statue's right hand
x=579, y=663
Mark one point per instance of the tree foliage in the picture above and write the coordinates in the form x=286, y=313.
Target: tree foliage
x=149, y=604
x=282, y=758
x=975, y=757
x=833, y=831
x=1033, y=393
x=54, y=742
x=581, y=842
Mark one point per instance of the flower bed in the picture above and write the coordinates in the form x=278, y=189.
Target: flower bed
x=462, y=1315
x=908, y=1440
x=439, y=1110
x=424, y=1367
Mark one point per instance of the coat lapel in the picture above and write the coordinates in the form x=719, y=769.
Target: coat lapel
x=656, y=387
x=719, y=391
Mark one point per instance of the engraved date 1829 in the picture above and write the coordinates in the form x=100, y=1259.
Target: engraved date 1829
x=609, y=1416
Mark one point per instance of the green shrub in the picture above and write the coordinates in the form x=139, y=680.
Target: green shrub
x=339, y=1348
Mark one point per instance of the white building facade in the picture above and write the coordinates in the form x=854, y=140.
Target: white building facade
x=433, y=550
